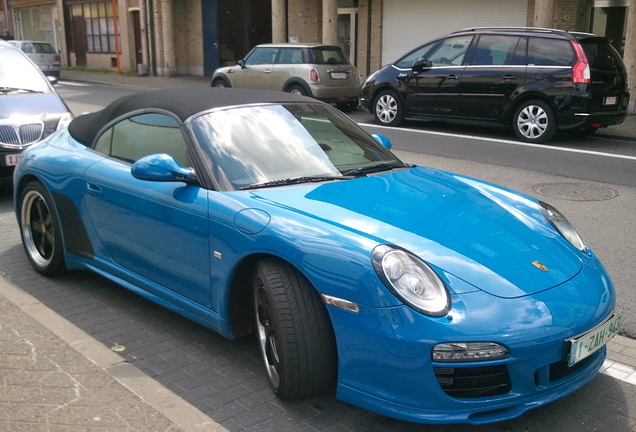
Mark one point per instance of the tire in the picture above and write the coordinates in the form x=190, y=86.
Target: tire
x=297, y=90
x=347, y=106
x=40, y=230
x=388, y=109
x=221, y=82
x=534, y=122
x=294, y=332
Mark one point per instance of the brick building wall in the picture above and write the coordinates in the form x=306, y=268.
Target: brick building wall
x=304, y=20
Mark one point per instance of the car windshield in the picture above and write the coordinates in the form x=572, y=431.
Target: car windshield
x=18, y=74
x=267, y=145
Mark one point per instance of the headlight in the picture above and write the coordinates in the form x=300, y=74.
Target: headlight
x=411, y=280
x=563, y=226
x=64, y=120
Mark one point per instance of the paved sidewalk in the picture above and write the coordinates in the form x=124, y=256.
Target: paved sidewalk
x=55, y=377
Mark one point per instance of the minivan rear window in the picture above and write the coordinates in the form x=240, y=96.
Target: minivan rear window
x=550, y=52
x=601, y=55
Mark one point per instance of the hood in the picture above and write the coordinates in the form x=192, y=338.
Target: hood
x=40, y=105
x=486, y=235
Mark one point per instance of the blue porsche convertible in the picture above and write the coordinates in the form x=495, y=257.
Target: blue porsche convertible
x=416, y=293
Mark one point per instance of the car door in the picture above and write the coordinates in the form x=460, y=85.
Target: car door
x=290, y=63
x=256, y=70
x=433, y=90
x=155, y=231
x=497, y=68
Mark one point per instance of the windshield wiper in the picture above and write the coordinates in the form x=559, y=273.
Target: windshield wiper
x=295, y=180
x=372, y=169
x=12, y=89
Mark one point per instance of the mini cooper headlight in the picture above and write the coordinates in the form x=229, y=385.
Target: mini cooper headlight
x=411, y=280
x=563, y=226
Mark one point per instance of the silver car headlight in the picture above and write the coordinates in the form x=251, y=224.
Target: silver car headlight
x=411, y=280
x=563, y=226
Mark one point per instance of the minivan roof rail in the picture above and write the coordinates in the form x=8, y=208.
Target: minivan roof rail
x=533, y=29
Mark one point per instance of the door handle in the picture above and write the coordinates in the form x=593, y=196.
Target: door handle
x=452, y=77
x=267, y=71
x=508, y=77
x=94, y=190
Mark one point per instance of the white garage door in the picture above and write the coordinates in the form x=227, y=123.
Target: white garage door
x=410, y=23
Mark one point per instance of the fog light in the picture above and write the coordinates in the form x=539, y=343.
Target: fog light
x=469, y=351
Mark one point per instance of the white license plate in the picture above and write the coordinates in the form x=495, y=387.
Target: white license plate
x=11, y=159
x=339, y=75
x=592, y=341
x=610, y=100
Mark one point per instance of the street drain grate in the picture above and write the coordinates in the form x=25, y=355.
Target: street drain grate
x=576, y=191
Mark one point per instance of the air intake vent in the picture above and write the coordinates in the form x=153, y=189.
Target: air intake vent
x=474, y=382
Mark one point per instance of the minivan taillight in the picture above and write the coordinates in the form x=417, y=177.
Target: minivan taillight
x=313, y=75
x=581, y=69
x=57, y=58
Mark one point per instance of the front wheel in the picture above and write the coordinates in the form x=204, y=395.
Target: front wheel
x=221, y=82
x=294, y=332
x=40, y=230
x=534, y=122
x=387, y=109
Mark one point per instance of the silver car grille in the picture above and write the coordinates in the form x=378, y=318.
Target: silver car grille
x=19, y=135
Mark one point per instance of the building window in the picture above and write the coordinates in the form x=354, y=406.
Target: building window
x=100, y=24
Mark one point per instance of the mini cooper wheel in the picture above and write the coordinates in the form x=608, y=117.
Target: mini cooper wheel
x=294, y=332
x=297, y=90
x=221, y=82
x=40, y=230
x=534, y=122
x=387, y=109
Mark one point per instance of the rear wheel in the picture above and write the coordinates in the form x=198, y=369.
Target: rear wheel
x=387, y=109
x=40, y=230
x=534, y=121
x=294, y=332
x=297, y=90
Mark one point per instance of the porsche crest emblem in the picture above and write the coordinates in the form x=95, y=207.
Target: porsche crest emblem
x=540, y=266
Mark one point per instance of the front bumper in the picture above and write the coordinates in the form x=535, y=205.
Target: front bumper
x=385, y=362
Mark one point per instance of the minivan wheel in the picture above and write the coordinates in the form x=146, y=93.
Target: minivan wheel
x=387, y=109
x=534, y=122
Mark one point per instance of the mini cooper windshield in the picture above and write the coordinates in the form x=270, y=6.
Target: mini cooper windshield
x=276, y=145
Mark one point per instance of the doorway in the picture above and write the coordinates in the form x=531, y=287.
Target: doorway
x=609, y=19
x=347, y=31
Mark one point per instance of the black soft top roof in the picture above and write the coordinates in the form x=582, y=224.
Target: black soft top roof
x=182, y=102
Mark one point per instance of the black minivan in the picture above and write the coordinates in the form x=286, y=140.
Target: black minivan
x=535, y=80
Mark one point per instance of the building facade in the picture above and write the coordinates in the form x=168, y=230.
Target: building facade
x=194, y=37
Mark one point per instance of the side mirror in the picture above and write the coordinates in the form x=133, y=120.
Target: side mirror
x=421, y=64
x=162, y=168
x=241, y=63
x=382, y=140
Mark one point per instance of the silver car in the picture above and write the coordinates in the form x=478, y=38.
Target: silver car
x=43, y=54
x=320, y=71
x=30, y=109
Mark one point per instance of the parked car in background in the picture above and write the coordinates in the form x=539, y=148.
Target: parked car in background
x=30, y=108
x=416, y=293
x=43, y=54
x=536, y=81
x=320, y=71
